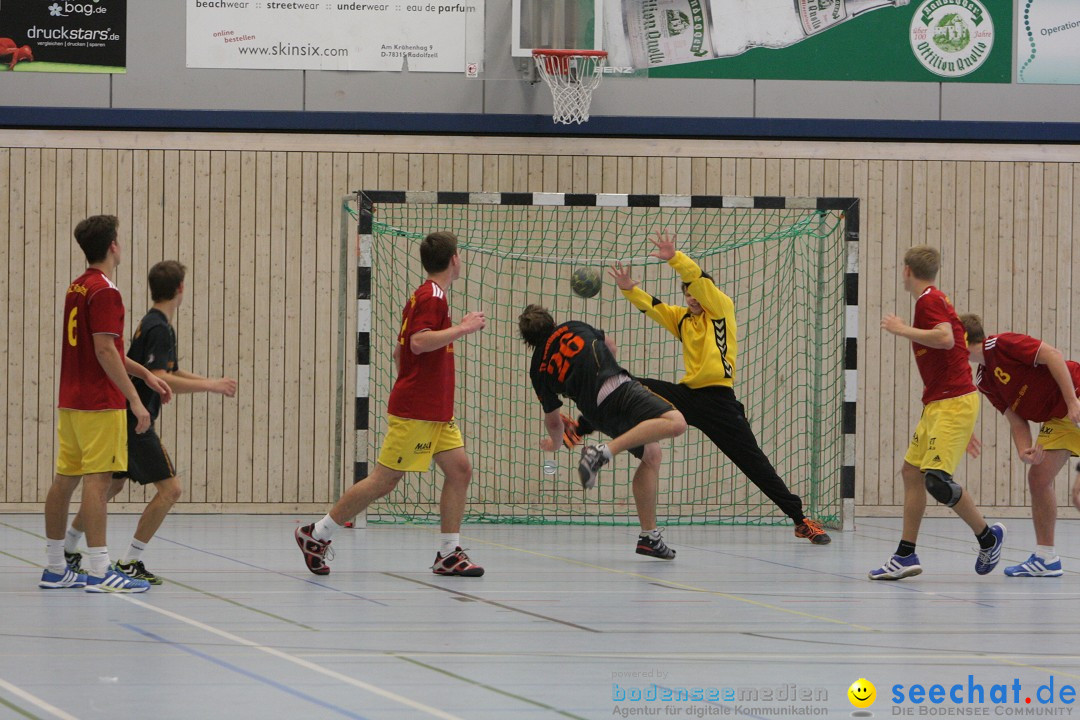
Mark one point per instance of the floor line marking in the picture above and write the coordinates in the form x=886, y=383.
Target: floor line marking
x=677, y=585
x=493, y=603
x=36, y=701
x=274, y=652
x=246, y=673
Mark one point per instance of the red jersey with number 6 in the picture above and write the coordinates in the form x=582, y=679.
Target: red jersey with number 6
x=945, y=373
x=1011, y=378
x=424, y=389
x=92, y=306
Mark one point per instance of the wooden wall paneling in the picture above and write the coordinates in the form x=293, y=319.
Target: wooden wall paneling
x=249, y=356
x=625, y=174
x=535, y=173
x=7, y=489
x=1067, y=207
x=259, y=388
x=699, y=176
x=895, y=353
x=772, y=177
x=231, y=311
x=831, y=183
x=33, y=257
x=668, y=176
x=594, y=173
x=338, y=434
x=817, y=177
x=609, y=174
x=971, y=201
x=48, y=323
x=215, y=325
x=279, y=384
x=17, y=319
x=549, y=175
x=324, y=344
x=197, y=300
x=306, y=298
x=387, y=165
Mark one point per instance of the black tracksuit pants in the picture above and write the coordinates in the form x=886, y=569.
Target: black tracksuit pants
x=717, y=413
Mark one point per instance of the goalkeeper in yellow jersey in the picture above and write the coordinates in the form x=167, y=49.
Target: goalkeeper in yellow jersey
x=705, y=395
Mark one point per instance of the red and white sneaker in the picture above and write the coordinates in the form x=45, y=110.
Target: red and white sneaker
x=456, y=563
x=315, y=551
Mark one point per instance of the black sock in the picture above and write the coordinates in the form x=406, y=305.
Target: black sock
x=985, y=538
x=905, y=548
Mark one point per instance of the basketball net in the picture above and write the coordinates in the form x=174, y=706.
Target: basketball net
x=572, y=76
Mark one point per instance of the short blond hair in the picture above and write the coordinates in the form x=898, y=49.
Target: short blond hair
x=924, y=261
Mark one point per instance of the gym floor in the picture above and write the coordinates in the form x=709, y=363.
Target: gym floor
x=568, y=622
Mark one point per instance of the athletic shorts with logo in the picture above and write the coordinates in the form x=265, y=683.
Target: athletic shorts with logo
x=1060, y=434
x=91, y=442
x=409, y=445
x=148, y=461
x=943, y=433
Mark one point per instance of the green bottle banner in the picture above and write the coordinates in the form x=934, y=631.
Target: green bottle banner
x=875, y=40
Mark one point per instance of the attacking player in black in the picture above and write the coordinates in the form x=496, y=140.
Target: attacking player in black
x=577, y=361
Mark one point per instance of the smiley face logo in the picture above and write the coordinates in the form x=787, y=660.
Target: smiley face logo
x=862, y=693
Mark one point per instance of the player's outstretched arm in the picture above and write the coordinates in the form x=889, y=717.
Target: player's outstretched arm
x=666, y=315
x=701, y=288
x=429, y=340
x=182, y=381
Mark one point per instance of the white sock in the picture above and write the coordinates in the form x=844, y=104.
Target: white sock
x=54, y=551
x=654, y=533
x=134, y=552
x=1046, y=552
x=325, y=529
x=97, y=561
x=602, y=447
x=449, y=542
x=72, y=539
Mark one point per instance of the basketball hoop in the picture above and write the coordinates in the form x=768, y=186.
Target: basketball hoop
x=572, y=76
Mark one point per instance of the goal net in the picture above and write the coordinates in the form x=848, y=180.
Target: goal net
x=784, y=268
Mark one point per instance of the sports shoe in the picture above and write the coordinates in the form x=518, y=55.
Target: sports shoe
x=593, y=457
x=897, y=568
x=989, y=557
x=138, y=571
x=115, y=582
x=456, y=563
x=74, y=561
x=315, y=551
x=812, y=531
x=654, y=547
x=58, y=581
x=1036, y=566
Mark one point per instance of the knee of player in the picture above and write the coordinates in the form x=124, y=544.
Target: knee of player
x=652, y=455
x=171, y=492
x=677, y=422
x=942, y=487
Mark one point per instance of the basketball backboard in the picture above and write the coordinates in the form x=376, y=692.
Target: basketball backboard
x=559, y=24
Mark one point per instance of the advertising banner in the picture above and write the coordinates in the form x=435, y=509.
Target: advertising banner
x=85, y=36
x=1048, y=49
x=292, y=35
x=877, y=40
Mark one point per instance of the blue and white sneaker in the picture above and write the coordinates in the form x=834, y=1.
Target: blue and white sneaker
x=897, y=568
x=58, y=581
x=115, y=582
x=989, y=557
x=1036, y=566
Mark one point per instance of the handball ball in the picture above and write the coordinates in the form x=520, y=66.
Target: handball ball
x=585, y=282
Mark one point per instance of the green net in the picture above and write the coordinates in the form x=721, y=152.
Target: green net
x=784, y=269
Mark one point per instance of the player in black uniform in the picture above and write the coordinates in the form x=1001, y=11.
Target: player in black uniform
x=577, y=361
x=154, y=347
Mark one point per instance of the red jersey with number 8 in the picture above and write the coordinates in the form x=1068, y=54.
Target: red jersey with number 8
x=945, y=373
x=92, y=306
x=1010, y=377
x=424, y=389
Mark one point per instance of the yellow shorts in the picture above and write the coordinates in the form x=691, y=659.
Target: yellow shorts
x=410, y=444
x=91, y=442
x=943, y=433
x=1059, y=434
